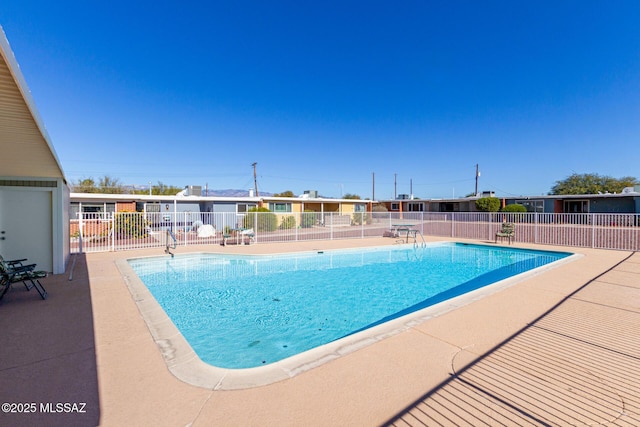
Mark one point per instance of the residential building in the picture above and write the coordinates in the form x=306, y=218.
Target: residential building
x=34, y=195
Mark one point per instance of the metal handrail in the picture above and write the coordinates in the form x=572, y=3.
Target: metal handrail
x=167, y=243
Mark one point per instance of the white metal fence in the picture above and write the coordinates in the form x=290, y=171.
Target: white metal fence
x=99, y=232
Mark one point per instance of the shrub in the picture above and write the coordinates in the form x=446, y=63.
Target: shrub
x=130, y=224
x=488, y=204
x=361, y=217
x=308, y=219
x=379, y=211
x=288, y=222
x=515, y=207
x=267, y=221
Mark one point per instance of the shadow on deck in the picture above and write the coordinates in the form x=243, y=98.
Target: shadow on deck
x=577, y=364
x=48, y=373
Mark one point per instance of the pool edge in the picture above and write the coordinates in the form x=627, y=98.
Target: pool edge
x=184, y=364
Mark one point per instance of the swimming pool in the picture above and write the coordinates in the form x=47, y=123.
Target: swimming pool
x=242, y=311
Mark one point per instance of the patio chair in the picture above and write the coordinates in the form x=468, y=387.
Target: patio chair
x=507, y=231
x=250, y=234
x=4, y=286
x=13, y=263
x=15, y=271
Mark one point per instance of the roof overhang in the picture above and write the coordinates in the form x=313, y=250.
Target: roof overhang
x=547, y=196
x=102, y=197
x=26, y=149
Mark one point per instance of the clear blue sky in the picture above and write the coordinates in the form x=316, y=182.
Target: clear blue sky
x=322, y=95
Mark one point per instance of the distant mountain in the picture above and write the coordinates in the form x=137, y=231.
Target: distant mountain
x=231, y=193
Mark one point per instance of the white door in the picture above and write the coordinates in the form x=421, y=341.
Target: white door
x=26, y=226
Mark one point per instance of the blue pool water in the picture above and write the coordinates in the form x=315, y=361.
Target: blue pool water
x=241, y=311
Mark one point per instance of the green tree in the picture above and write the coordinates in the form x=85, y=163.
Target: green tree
x=488, y=204
x=160, y=189
x=85, y=185
x=591, y=183
x=351, y=196
x=165, y=190
x=108, y=185
x=287, y=193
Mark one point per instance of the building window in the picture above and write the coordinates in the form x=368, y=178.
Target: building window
x=395, y=206
x=576, y=206
x=532, y=205
x=87, y=208
x=152, y=207
x=359, y=208
x=280, y=207
x=447, y=207
x=245, y=207
x=415, y=207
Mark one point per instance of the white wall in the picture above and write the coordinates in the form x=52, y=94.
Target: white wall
x=35, y=220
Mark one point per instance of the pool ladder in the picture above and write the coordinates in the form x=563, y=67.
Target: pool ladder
x=415, y=239
x=168, y=244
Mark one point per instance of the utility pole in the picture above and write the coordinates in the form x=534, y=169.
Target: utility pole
x=395, y=186
x=477, y=176
x=255, y=178
x=373, y=186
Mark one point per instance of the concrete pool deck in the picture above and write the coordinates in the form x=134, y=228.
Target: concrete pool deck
x=559, y=348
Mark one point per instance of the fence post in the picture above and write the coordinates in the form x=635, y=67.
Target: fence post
x=331, y=226
x=636, y=224
x=80, y=231
x=188, y=218
x=453, y=225
x=113, y=231
x=490, y=225
x=255, y=223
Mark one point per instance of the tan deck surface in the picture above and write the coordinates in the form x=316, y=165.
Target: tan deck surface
x=560, y=348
